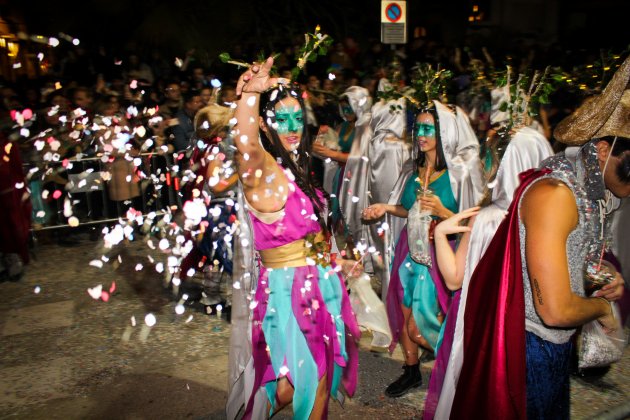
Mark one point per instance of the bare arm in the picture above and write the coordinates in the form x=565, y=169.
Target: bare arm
x=251, y=156
x=452, y=264
x=335, y=155
x=549, y=214
x=376, y=211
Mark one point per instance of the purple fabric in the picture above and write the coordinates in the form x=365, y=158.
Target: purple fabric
x=318, y=327
x=309, y=308
x=295, y=224
x=395, y=290
x=353, y=335
x=441, y=360
x=443, y=293
x=262, y=362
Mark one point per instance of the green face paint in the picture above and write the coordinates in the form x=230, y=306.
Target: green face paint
x=347, y=110
x=425, y=130
x=289, y=120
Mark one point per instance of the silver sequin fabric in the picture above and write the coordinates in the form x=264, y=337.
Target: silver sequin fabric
x=579, y=170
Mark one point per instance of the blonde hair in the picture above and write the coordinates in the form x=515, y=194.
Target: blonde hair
x=211, y=120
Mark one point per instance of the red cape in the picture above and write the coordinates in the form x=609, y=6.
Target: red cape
x=493, y=378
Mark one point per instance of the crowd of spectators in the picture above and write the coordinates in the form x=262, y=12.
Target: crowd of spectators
x=92, y=102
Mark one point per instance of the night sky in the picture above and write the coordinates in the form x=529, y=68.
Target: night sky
x=213, y=25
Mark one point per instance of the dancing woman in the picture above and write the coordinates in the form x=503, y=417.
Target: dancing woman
x=302, y=328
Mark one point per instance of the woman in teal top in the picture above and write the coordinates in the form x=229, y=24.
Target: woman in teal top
x=413, y=303
x=345, y=132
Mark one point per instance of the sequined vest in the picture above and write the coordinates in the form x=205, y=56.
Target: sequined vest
x=579, y=170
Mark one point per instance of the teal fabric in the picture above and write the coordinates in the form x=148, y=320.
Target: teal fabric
x=419, y=291
x=420, y=294
x=38, y=204
x=287, y=344
x=330, y=288
x=409, y=193
x=441, y=187
x=345, y=145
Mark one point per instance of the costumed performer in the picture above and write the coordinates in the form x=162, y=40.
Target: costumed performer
x=302, y=328
x=521, y=317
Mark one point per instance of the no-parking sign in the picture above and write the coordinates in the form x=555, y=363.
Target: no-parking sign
x=393, y=22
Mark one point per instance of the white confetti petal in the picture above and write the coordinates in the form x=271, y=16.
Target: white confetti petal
x=150, y=320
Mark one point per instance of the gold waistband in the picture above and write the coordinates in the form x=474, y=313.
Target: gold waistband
x=293, y=254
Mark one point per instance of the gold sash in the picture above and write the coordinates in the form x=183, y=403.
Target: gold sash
x=292, y=254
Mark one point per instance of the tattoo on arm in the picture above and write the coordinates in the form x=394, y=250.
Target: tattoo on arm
x=537, y=290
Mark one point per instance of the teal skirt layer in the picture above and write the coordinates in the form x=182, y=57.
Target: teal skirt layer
x=420, y=295
x=287, y=345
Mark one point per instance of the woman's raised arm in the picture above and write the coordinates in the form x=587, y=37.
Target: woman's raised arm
x=251, y=155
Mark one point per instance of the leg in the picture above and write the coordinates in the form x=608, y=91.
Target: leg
x=284, y=394
x=411, y=378
x=409, y=347
x=321, y=400
x=415, y=335
x=547, y=372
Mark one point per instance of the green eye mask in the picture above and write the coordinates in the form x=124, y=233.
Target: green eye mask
x=347, y=110
x=289, y=120
x=425, y=130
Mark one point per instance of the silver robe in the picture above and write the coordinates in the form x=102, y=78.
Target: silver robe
x=526, y=150
x=240, y=360
x=354, y=185
x=387, y=154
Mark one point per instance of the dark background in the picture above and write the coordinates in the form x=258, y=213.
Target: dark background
x=178, y=25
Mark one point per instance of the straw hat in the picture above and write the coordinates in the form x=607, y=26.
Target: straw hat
x=606, y=114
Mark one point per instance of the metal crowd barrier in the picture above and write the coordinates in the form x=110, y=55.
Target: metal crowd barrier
x=159, y=185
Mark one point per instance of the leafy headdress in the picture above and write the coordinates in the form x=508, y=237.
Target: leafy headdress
x=315, y=44
x=427, y=84
x=516, y=99
x=515, y=102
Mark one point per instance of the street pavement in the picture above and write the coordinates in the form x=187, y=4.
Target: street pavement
x=65, y=355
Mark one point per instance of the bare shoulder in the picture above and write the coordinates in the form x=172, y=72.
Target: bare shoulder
x=549, y=201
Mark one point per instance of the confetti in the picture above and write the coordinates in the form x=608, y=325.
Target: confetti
x=95, y=292
x=96, y=263
x=150, y=320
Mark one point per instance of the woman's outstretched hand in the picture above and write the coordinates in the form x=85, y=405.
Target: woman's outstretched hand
x=374, y=211
x=452, y=224
x=257, y=78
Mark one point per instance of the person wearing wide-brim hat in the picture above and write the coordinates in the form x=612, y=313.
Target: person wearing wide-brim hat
x=557, y=225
